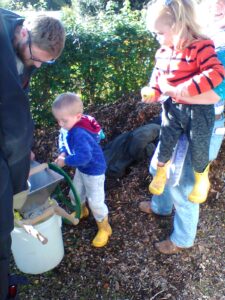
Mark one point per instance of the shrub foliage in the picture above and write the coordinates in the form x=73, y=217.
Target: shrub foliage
x=105, y=57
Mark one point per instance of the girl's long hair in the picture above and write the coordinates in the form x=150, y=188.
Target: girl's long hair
x=180, y=15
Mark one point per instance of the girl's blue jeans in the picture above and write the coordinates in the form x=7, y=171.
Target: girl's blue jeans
x=186, y=213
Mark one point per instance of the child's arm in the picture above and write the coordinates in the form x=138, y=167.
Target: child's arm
x=60, y=160
x=81, y=157
x=206, y=98
x=151, y=93
x=82, y=151
x=62, y=142
x=211, y=73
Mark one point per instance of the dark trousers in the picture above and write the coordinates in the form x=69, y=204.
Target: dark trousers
x=12, y=180
x=5, y=246
x=196, y=121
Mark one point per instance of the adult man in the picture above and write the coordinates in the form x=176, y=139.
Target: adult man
x=25, y=46
x=187, y=213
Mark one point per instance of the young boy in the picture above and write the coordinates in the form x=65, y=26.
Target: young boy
x=84, y=153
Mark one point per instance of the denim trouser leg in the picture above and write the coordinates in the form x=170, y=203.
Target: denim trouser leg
x=187, y=213
x=163, y=204
x=216, y=141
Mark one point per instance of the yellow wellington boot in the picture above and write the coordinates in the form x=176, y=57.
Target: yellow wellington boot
x=84, y=212
x=156, y=187
x=104, y=232
x=201, y=187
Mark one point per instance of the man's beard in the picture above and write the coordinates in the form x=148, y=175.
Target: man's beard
x=20, y=50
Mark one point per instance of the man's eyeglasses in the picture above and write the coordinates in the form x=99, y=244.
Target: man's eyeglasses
x=31, y=55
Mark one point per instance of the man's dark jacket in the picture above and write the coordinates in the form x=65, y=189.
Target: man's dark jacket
x=16, y=125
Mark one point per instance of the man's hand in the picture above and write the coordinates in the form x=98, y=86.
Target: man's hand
x=32, y=155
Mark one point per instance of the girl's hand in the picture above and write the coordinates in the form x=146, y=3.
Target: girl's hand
x=147, y=95
x=166, y=88
x=176, y=92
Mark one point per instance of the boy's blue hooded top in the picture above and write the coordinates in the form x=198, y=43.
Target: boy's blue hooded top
x=86, y=154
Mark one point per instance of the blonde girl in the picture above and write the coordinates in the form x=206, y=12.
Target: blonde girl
x=186, y=66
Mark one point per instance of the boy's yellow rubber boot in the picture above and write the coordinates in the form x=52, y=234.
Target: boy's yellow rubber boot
x=104, y=232
x=201, y=187
x=84, y=212
x=156, y=187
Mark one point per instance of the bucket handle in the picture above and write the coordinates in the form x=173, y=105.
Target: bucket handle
x=48, y=213
x=27, y=224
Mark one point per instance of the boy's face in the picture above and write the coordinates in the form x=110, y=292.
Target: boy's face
x=65, y=119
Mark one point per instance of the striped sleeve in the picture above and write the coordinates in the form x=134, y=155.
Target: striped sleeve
x=211, y=70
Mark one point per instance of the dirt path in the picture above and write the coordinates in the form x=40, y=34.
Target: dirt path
x=129, y=267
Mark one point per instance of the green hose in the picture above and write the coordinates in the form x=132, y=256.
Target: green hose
x=77, y=207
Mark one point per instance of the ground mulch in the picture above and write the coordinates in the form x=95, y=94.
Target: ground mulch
x=129, y=267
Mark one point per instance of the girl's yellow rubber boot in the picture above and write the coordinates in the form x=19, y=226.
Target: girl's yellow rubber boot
x=104, y=232
x=201, y=187
x=158, y=183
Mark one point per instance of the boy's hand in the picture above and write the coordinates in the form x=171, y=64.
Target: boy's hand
x=147, y=94
x=60, y=160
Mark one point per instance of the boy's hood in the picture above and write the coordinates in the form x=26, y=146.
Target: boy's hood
x=89, y=123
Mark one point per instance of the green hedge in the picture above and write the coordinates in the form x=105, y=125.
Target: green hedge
x=105, y=58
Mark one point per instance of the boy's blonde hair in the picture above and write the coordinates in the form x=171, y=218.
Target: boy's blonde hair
x=180, y=15
x=70, y=102
x=47, y=33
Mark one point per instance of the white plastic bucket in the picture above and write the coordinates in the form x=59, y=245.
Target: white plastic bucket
x=30, y=255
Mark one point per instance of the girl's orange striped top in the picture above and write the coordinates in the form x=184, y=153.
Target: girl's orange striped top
x=196, y=67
